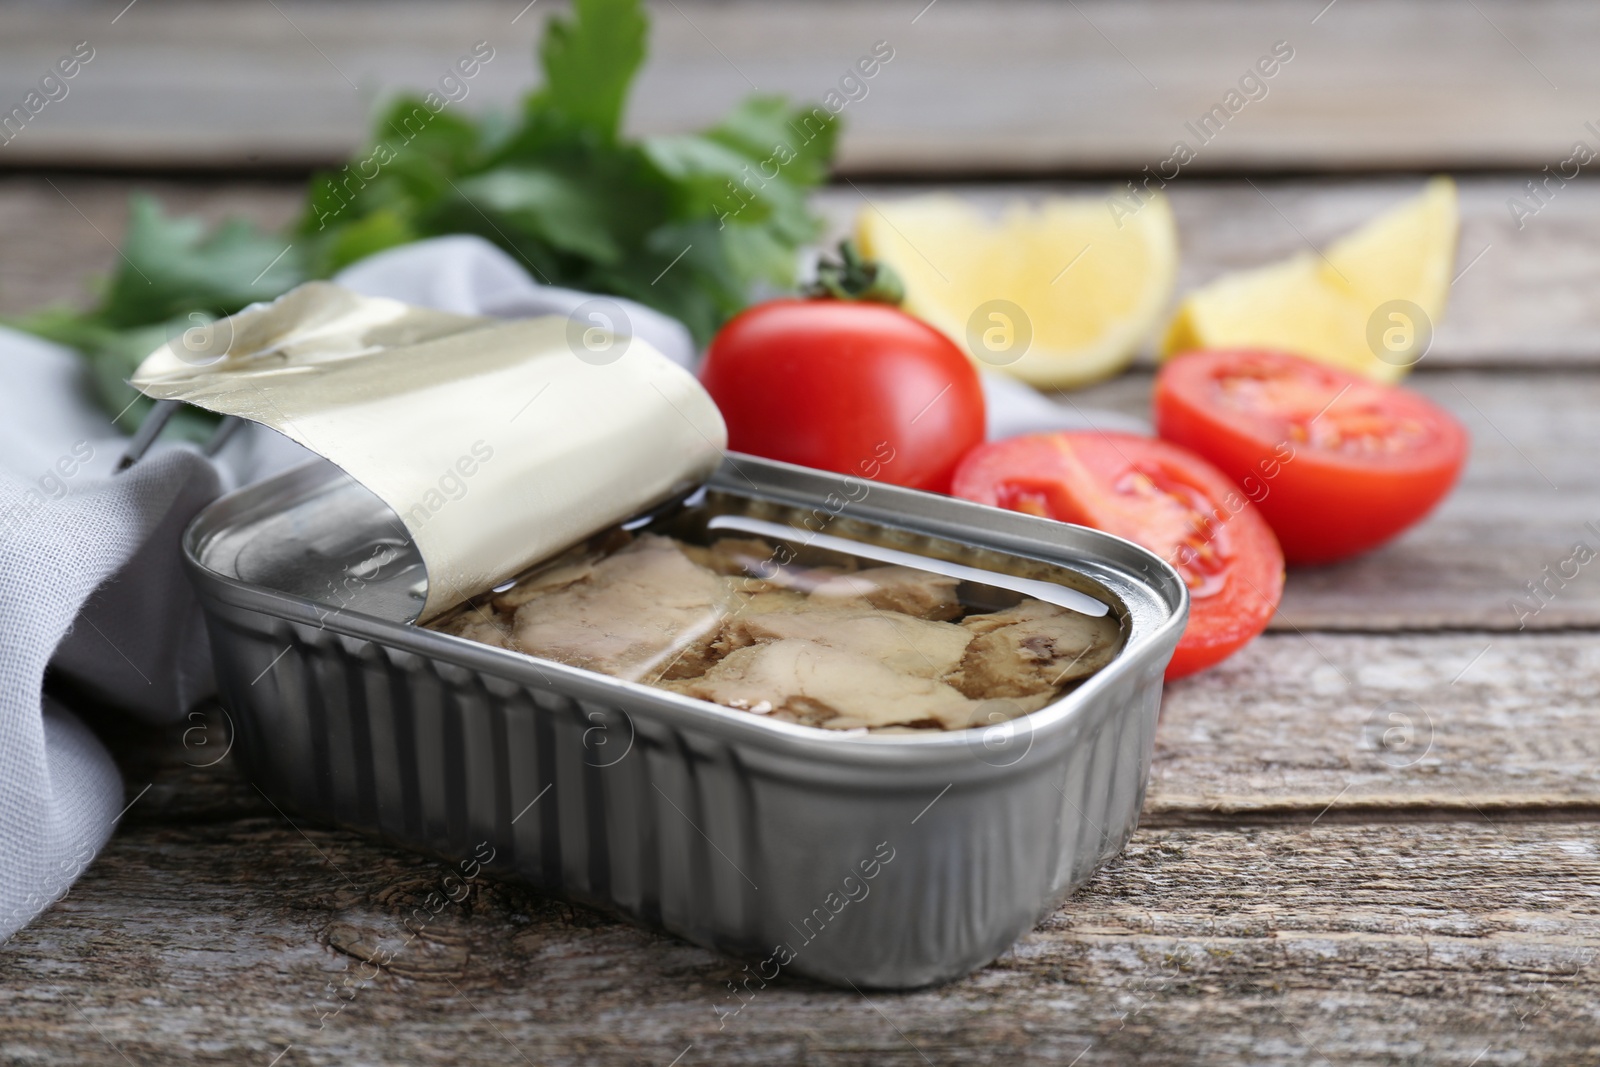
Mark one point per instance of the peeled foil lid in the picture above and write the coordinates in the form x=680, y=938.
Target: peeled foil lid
x=497, y=443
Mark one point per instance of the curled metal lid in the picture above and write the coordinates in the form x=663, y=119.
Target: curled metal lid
x=496, y=443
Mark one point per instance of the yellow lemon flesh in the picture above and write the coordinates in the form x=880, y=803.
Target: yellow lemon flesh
x=1369, y=304
x=1061, y=293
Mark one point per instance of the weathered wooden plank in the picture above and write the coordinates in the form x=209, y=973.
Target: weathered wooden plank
x=1320, y=727
x=243, y=940
x=975, y=88
x=1524, y=301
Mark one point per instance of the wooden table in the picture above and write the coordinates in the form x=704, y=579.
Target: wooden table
x=1292, y=895
x=1296, y=892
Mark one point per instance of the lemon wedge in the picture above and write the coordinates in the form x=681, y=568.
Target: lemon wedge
x=1369, y=304
x=1058, y=293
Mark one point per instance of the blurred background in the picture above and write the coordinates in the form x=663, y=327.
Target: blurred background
x=1016, y=87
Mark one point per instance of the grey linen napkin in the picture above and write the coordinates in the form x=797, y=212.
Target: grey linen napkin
x=90, y=584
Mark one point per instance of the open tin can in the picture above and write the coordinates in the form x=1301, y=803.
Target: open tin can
x=878, y=860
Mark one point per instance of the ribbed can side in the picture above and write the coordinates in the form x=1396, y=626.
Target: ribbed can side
x=885, y=878
x=576, y=796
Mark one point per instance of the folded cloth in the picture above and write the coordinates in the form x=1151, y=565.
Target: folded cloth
x=90, y=576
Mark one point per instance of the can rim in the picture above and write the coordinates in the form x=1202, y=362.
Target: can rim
x=1119, y=564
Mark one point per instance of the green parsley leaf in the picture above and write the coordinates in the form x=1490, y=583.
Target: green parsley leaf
x=589, y=62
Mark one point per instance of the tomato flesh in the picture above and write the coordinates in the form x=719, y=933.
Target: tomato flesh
x=858, y=388
x=1336, y=463
x=1159, y=496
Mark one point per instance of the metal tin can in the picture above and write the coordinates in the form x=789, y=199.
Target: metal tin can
x=885, y=861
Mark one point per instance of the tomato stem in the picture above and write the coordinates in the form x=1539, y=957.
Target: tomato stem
x=854, y=277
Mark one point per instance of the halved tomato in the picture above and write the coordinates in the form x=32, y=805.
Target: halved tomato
x=1156, y=495
x=1337, y=463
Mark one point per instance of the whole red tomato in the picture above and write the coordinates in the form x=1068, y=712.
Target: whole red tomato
x=855, y=387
